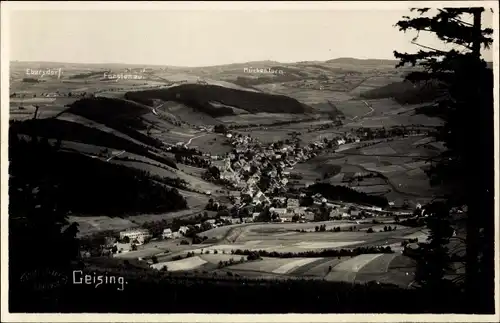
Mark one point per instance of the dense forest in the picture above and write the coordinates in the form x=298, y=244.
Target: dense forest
x=405, y=92
x=72, y=131
x=88, y=186
x=199, y=97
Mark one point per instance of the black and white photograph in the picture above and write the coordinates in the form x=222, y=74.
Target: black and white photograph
x=328, y=158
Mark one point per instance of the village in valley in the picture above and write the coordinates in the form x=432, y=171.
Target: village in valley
x=340, y=185
x=208, y=161
x=259, y=187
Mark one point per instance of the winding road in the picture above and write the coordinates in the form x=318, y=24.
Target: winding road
x=190, y=140
x=366, y=114
x=120, y=153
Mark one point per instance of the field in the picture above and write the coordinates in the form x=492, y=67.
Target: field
x=260, y=118
x=210, y=143
x=187, y=114
x=283, y=238
x=353, y=109
x=325, y=87
x=400, y=162
x=373, y=83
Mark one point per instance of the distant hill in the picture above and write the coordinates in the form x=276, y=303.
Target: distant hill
x=349, y=60
x=199, y=96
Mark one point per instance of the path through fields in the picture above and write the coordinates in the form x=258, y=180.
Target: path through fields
x=190, y=140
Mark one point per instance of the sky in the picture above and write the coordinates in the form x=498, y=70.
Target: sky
x=209, y=37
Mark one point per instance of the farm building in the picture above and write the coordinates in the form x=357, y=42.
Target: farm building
x=139, y=235
x=122, y=247
x=167, y=234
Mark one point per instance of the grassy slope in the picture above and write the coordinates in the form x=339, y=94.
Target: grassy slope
x=71, y=131
x=88, y=186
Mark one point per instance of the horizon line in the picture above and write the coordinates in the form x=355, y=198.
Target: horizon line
x=201, y=66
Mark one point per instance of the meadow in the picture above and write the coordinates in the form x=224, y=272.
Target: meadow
x=401, y=163
x=282, y=238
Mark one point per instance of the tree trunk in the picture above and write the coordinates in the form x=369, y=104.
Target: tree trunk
x=474, y=187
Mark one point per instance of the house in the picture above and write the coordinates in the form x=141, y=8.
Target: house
x=167, y=234
x=226, y=218
x=229, y=135
x=355, y=213
x=278, y=211
x=211, y=221
x=279, y=199
x=255, y=215
x=309, y=216
x=183, y=229
x=292, y=203
x=139, y=235
x=235, y=221
x=109, y=242
x=299, y=210
x=122, y=247
x=260, y=198
x=272, y=173
x=287, y=217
